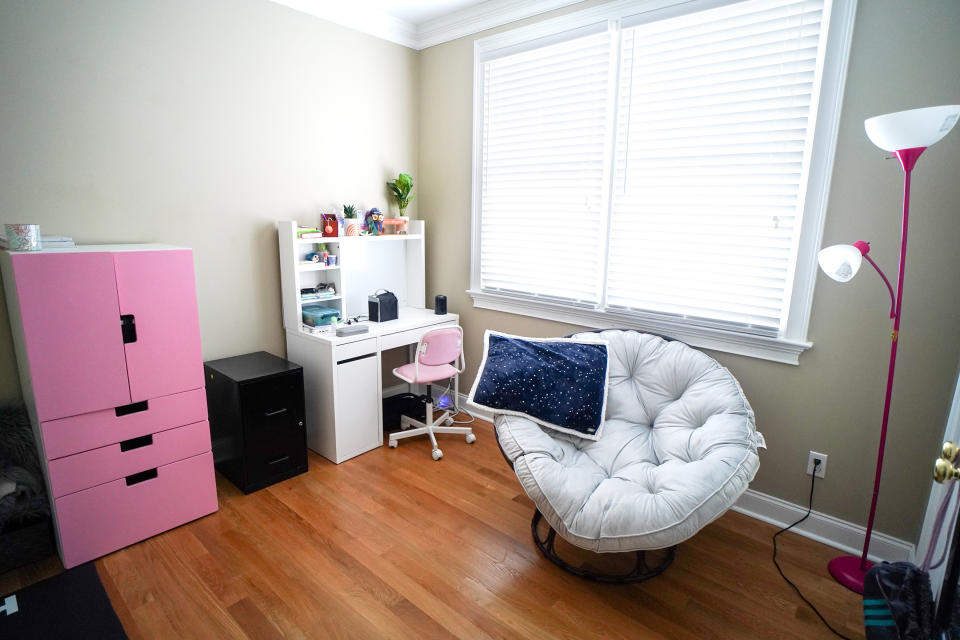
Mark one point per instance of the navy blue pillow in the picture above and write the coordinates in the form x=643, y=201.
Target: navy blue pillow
x=560, y=383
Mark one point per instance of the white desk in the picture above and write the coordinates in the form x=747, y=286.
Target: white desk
x=342, y=381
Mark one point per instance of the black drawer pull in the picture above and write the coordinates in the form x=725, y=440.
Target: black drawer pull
x=270, y=414
x=354, y=359
x=128, y=328
x=279, y=460
x=136, y=443
x=127, y=409
x=143, y=476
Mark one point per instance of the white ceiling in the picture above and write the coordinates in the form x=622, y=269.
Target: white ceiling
x=419, y=24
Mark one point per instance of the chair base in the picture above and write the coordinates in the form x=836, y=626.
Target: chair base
x=640, y=572
x=429, y=428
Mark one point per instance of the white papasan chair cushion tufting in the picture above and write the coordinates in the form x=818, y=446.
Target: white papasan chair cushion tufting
x=679, y=447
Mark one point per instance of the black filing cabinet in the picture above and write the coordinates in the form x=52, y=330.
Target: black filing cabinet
x=257, y=422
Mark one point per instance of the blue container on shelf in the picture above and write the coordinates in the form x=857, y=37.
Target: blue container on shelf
x=316, y=315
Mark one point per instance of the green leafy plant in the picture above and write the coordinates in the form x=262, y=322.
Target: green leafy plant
x=349, y=211
x=401, y=188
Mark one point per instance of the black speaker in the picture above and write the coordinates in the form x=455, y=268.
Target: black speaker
x=382, y=307
x=440, y=305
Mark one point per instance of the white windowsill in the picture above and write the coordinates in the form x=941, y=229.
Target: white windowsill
x=766, y=348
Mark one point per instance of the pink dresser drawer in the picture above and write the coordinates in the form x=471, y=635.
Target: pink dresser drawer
x=97, y=466
x=96, y=521
x=71, y=435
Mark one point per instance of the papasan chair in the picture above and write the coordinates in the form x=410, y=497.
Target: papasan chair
x=679, y=446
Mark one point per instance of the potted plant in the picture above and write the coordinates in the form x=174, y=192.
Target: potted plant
x=351, y=222
x=401, y=188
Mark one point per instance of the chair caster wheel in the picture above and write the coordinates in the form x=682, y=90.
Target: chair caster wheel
x=448, y=422
x=437, y=454
x=393, y=444
x=404, y=425
x=471, y=438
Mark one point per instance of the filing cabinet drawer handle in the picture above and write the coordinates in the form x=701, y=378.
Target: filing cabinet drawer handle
x=136, y=443
x=279, y=460
x=270, y=414
x=143, y=476
x=127, y=409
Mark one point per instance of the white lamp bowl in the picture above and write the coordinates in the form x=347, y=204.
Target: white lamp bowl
x=841, y=261
x=913, y=128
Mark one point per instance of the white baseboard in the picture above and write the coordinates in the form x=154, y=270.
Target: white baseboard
x=823, y=528
x=831, y=531
x=464, y=405
x=394, y=390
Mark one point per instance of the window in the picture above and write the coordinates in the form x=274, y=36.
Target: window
x=660, y=165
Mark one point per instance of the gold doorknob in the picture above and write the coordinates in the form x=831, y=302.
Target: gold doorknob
x=950, y=451
x=943, y=470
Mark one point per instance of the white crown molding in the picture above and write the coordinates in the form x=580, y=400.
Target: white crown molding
x=466, y=21
x=358, y=18
x=480, y=17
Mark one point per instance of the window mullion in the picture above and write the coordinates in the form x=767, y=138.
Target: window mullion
x=613, y=91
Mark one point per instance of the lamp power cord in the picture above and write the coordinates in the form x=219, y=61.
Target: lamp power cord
x=455, y=405
x=813, y=480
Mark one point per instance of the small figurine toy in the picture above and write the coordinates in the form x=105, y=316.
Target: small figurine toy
x=373, y=222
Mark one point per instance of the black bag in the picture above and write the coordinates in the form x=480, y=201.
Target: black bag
x=897, y=602
x=382, y=307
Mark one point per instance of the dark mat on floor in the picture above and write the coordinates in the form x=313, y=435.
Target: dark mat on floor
x=68, y=606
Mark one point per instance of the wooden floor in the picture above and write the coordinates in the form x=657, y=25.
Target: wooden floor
x=394, y=545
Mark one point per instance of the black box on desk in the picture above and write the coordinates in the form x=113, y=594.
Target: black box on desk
x=257, y=419
x=382, y=307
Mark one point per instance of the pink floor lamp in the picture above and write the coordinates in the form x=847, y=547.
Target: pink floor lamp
x=907, y=134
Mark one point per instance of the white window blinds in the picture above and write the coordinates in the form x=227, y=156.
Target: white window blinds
x=542, y=162
x=656, y=169
x=713, y=121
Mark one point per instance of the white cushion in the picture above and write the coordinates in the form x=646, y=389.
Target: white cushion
x=679, y=447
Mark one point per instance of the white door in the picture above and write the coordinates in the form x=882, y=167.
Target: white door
x=951, y=433
x=358, y=406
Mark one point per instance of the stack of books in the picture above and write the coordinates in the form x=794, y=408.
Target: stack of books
x=307, y=233
x=56, y=242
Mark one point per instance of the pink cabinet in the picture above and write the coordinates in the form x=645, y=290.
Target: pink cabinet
x=71, y=331
x=108, y=346
x=157, y=293
x=102, y=330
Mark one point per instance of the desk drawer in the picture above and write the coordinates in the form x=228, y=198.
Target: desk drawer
x=91, y=468
x=71, y=435
x=354, y=349
x=96, y=521
x=412, y=336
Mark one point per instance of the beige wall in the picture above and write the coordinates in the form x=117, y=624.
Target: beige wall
x=903, y=56
x=198, y=123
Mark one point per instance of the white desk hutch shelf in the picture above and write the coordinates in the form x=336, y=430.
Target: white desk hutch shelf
x=342, y=381
x=365, y=264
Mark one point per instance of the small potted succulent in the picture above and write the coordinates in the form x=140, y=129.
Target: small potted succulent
x=351, y=222
x=401, y=188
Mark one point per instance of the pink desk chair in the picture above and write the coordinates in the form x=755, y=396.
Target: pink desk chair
x=436, y=351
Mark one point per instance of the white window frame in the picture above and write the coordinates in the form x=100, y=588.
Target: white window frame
x=825, y=118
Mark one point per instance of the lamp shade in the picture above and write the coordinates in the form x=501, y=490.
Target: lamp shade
x=841, y=261
x=911, y=129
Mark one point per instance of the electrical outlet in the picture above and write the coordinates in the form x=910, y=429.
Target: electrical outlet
x=821, y=468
